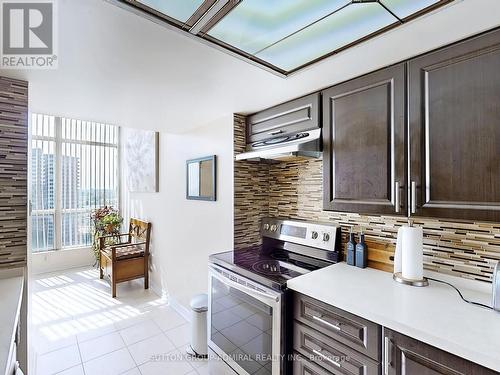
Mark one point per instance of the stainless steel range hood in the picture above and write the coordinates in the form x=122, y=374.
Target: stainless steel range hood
x=305, y=144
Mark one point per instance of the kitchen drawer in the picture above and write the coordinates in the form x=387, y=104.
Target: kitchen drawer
x=301, y=366
x=351, y=330
x=335, y=357
x=405, y=355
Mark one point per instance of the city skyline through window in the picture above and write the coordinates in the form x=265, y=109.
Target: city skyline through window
x=74, y=169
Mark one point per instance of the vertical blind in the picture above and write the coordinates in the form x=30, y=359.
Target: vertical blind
x=74, y=169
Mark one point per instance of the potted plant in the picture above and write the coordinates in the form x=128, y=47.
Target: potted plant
x=107, y=221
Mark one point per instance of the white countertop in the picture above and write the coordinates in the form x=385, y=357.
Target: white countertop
x=11, y=290
x=435, y=314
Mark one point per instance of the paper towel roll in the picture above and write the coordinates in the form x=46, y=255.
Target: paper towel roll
x=412, y=257
x=398, y=254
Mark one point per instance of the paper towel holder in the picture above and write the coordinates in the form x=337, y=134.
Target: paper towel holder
x=398, y=276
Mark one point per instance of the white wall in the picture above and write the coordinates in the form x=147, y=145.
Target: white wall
x=61, y=260
x=185, y=232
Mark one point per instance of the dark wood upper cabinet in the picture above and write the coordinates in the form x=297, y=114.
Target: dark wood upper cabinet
x=364, y=144
x=404, y=355
x=454, y=116
x=287, y=118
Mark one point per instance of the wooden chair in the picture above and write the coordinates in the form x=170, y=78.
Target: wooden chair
x=126, y=260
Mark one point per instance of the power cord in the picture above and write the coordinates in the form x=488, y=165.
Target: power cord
x=460, y=294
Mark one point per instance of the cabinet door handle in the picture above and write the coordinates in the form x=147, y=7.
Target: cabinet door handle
x=331, y=325
x=387, y=344
x=397, y=197
x=276, y=132
x=335, y=363
x=413, y=197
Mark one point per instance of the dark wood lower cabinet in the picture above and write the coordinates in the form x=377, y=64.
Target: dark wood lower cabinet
x=348, y=329
x=324, y=349
x=336, y=358
x=407, y=356
x=330, y=341
x=302, y=366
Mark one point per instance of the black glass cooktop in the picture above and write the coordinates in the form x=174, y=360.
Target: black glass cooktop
x=271, y=267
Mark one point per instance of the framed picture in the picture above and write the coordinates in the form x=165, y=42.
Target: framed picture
x=141, y=151
x=201, y=178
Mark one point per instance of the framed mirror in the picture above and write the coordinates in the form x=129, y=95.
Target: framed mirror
x=201, y=178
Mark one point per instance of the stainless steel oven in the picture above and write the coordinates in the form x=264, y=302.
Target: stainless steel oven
x=249, y=305
x=245, y=322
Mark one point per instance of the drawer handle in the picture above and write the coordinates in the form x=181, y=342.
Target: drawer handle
x=276, y=132
x=335, y=363
x=334, y=326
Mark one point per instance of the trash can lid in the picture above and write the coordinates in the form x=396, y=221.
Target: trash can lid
x=199, y=303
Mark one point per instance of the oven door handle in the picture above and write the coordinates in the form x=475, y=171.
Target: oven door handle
x=244, y=288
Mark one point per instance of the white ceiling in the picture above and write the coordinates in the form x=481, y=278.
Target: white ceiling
x=118, y=67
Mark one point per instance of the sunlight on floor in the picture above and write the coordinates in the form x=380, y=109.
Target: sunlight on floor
x=76, y=326
x=86, y=306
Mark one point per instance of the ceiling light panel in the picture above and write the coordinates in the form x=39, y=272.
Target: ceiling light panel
x=342, y=28
x=286, y=35
x=180, y=10
x=256, y=24
x=405, y=8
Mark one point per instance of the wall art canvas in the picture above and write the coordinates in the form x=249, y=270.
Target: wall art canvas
x=141, y=156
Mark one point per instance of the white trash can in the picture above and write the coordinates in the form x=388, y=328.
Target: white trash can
x=199, y=308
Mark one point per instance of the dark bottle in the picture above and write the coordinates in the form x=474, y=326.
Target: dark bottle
x=361, y=252
x=351, y=250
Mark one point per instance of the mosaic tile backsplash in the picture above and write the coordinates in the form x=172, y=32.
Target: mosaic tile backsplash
x=294, y=190
x=13, y=172
x=251, y=193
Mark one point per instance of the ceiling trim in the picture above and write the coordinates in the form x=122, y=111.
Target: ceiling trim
x=202, y=9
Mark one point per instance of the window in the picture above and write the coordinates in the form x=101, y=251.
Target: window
x=74, y=169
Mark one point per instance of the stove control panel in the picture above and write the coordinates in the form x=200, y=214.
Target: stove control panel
x=318, y=235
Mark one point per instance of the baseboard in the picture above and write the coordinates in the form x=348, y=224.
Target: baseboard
x=157, y=289
x=182, y=310
x=60, y=260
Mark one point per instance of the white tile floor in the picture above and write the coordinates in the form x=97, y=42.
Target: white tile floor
x=78, y=329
